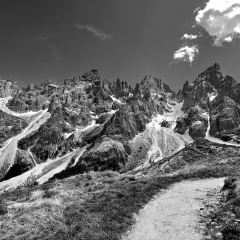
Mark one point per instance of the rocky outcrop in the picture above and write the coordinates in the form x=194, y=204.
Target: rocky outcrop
x=154, y=85
x=124, y=125
x=92, y=75
x=201, y=150
x=165, y=124
x=10, y=126
x=182, y=125
x=105, y=154
x=194, y=121
x=218, y=96
x=198, y=91
x=224, y=114
x=22, y=163
x=9, y=88
x=121, y=89
x=212, y=75
x=198, y=130
x=44, y=142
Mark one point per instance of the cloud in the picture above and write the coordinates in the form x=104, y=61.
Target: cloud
x=46, y=37
x=186, y=53
x=221, y=19
x=55, y=52
x=95, y=32
x=196, y=9
x=189, y=37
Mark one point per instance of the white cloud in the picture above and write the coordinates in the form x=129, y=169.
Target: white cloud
x=46, y=37
x=221, y=19
x=186, y=53
x=228, y=39
x=55, y=52
x=95, y=32
x=196, y=9
x=189, y=37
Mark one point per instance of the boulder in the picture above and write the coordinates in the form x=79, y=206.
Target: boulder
x=198, y=130
x=182, y=124
x=106, y=154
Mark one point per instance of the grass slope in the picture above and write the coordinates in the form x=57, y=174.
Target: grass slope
x=97, y=206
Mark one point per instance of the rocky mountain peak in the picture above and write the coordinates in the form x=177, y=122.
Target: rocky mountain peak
x=121, y=88
x=216, y=66
x=92, y=76
x=8, y=87
x=71, y=81
x=154, y=85
x=212, y=75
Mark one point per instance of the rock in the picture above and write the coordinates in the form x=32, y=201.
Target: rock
x=125, y=125
x=154, y=85
x=121, y=88
x=22, y=164
x=17, y=105
x=197, y=130
x=182, y=124
x=44, y=142
x=92, y=76
x=10, y=126
x=198, y=91
x=224, y=115
x=106, y=154
x=166, y=124
x=9, y=88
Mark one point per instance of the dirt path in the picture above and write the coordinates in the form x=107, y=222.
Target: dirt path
x=173, y=214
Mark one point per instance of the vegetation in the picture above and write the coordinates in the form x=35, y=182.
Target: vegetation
x=226, y=217
x=91, y=206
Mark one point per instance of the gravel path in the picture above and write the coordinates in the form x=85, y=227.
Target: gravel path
x=173, y=214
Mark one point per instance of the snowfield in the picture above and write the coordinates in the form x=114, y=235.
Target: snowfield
x=164, y=141
x=41, y=173
x=8, y=152
x=116, y=100
x=27, y=115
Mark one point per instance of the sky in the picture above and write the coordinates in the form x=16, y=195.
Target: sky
x=170, y=39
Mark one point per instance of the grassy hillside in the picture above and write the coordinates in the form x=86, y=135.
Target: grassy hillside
x=97, y=205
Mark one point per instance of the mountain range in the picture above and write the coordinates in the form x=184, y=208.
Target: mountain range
x=88, y=123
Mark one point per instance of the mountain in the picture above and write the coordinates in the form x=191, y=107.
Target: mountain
x=211, y=106
x=89, y=123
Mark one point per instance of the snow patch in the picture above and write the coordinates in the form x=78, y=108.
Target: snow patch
x=196, y=123
x=117, y=100
x=8, y=152
x=113, y=111
x=82, y=151
x=212, y=96
x=67, y=135
x=217, y=140
x=70, y=110
x=40, y=173
x=25, y=115
x=164, y=141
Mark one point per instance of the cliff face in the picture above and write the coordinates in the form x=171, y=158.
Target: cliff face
x=216, y=97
